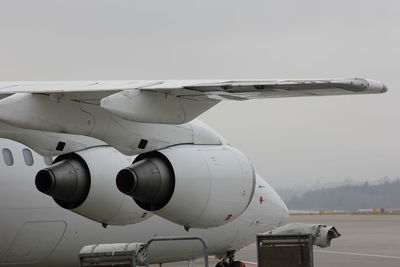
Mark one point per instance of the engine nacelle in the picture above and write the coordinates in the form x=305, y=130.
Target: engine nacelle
x=83, y=182
x=197, y=186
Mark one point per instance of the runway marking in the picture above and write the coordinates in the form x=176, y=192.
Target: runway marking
x=358, y=254
x=332, y=252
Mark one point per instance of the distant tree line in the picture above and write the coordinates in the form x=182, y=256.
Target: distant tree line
x=349, y=197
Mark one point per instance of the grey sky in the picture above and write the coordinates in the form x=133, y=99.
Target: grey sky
x=288, y=140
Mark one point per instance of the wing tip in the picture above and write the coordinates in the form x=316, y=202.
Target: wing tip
x=376, y=86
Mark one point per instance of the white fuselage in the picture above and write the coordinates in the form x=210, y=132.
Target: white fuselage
x=35, y=231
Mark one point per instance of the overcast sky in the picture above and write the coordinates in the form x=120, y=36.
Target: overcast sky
x=290, y=141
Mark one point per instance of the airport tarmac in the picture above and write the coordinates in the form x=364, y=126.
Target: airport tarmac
x=366, y=241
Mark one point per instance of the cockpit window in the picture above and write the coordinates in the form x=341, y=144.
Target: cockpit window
x=28, y=158
x=8, y=157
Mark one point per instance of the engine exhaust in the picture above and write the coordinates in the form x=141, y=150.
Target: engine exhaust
x=150, y=182
x=67, y=181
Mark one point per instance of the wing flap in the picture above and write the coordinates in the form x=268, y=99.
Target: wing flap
x=285, y=88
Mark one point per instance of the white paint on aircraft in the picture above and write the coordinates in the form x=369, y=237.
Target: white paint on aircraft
x=21, y=204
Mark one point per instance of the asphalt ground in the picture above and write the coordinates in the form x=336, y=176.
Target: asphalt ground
x=366, y=241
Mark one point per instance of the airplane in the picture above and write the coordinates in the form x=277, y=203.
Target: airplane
x=93, y=162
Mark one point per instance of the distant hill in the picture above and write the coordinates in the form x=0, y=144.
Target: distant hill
x=349, y=197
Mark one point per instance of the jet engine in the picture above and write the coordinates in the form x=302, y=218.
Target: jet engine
x=83, y=182
x=197, y=186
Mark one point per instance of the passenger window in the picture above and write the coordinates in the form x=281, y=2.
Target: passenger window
x=48, y=160
x=8, y=157
x=28, y=158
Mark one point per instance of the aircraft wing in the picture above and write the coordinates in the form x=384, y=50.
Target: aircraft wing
x=224, y=88
x=144, y=101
